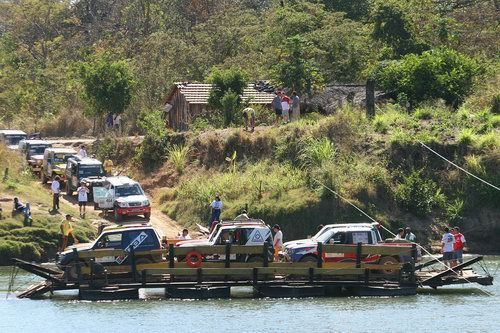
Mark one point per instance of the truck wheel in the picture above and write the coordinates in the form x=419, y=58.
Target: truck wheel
x=147, y=216
x=69, y=192
x=118, y=217
x=308, y=259
x=72, y=271
x=388, y=261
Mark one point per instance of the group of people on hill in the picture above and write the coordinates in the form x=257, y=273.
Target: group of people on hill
x=285, y=108
x=452, y=245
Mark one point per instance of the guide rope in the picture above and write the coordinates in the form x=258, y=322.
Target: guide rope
x=459, y=167
x=393, y=234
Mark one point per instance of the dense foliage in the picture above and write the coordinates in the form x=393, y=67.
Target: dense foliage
x=298, y=44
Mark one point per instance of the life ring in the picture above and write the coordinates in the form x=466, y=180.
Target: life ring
x=190, y=262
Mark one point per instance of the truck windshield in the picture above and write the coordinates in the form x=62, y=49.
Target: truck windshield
x=93, y=170
x=37, y=150
x=61, y=158
x=128, y=190
x=14, y=139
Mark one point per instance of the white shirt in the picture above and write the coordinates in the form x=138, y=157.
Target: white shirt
x=116, y=120
x=278, y=239
x=55, y=187
x=82, y=194
x=448, y=241
x=216, y=204
x=82, y=153
x=285, y=106
x=182, y=237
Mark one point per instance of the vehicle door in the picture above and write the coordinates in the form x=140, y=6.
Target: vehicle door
x=364, y=237
x=338, y=238
x=225, y=236
x=109, y=241
x=103, y=196
x=140, y=240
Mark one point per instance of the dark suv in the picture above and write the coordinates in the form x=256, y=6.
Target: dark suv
x=144, y=238
x=85, y=169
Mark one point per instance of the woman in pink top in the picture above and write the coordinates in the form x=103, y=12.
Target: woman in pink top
x=285, y=105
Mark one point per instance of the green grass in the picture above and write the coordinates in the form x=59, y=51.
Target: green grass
x=177, y=156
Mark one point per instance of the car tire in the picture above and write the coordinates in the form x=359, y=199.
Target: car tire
x=72, y=272
x=388, y=261
x=308, y=258
x=118, y=217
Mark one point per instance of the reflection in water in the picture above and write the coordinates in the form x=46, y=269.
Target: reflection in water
x=429, y=311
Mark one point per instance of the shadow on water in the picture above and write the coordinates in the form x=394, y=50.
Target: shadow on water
x=450, y=291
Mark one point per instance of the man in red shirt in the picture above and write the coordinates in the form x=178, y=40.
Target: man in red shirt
x=458, y=247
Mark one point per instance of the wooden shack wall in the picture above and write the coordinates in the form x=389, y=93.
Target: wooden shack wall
x=179, y=114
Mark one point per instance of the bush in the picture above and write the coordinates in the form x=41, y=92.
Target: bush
x=68, y=123
x=177, y=156
x=316, y=152
x=418, y=195
x=466, y=137
x=440, y=73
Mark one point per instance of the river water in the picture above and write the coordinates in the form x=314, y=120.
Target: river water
x=448, y=309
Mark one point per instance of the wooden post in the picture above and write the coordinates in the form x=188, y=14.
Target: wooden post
x=265, y=254
x=358, y=255
x=199, y=275
x=78, y=267
x=320, y=255
x=228, y=256
x=92, y=261
x=171, y=256
x=255, y=274
x=143, y=277
x=311, y=275
x=413, y=260
x=370, y=98
x=132, y=263
x=367, y=275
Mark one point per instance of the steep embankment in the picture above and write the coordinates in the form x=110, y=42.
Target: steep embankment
x=378, y=164
x=40, y=240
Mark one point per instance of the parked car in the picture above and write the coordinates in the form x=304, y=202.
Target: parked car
x=122, y=195
x=54, y=163
x=253, y=232
x=85, y=169
x=33, y=151
x=305, y=250
x=11, y=138
x=144, y=238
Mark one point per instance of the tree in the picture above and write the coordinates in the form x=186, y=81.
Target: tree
x=297, y=68
x=354, y=9
x=440, y=73
x=226, y=93
x=107, y=85
x=393, y=28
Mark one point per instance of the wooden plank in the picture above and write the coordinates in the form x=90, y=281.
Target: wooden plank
x=341, y=271
x=390, y=250
x=246, y=249
x=283, y=270
x=204, y=250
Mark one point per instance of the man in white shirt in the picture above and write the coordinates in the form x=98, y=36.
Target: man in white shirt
x=277, y=241
x=117, y=119
x=447, y=243
x=56, y=190
x=82, y=152
x=83, y=192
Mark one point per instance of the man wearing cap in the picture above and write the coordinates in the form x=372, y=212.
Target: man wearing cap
x=66, y=230
x=410, y=236
x=277, y=241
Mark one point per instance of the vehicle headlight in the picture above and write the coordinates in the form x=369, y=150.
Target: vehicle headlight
x=145, y=203
x=122, y=204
